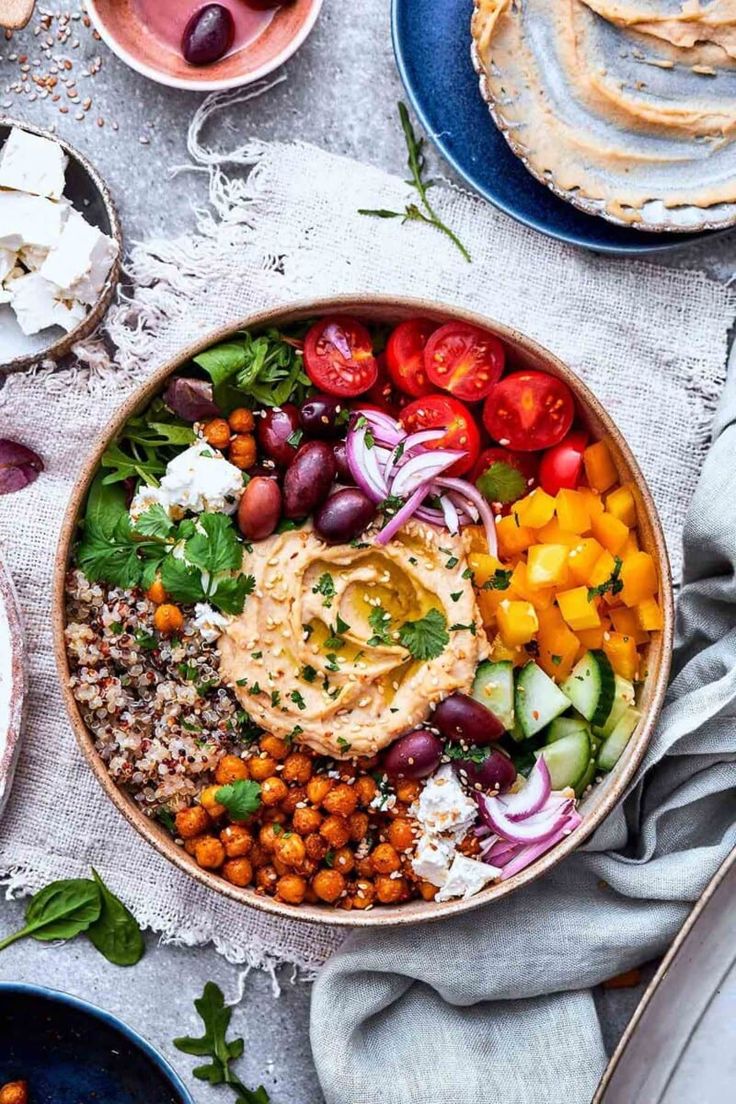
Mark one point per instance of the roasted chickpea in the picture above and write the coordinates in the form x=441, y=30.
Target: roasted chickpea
x=190, y=844
x=297, y=768
x=367, y=763
x=292, y=889
x=274, y=746
x=191, y=822
x=274, y=815
x=364, y=895
x=268, y=835
x=280, y=867
x=262, y=767
x=237, y=841
x=366, y=789
x=359, y=824
x=231, y=768
x=306, y=821
x=208, y=799
x=290, y=849
x=156, y=592
x=242, y=420
x=390, y=890
x=273, y=791
x=318, y=788
x=15, y=1092
x=168, y=619
x=470, y=846
x=400, y=834
x=407, y=790
x=316, y=847
x=335, y=830
x=385, y=859
x=343, y=860
x=209, y=853
x=266, y=878
x=259, y=856
x=328, y=885
x=342, y=800
x=217, y=433
x=238, y=871
x=297, y=795
x=242, y=451
x=364, y=867
x=427, y=891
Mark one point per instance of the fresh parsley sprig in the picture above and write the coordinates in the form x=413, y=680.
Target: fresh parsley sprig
x=412, y=212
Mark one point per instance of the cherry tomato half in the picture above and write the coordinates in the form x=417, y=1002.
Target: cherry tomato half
x=464, y=360
x=525, y=463
x=529, y=410
x=383, y=393
x=338, y=356
x=405, y=356
x=436, y=411
x=560, y=467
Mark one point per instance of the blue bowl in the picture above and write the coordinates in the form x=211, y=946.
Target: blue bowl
x=70, y=1052
x=432, y=47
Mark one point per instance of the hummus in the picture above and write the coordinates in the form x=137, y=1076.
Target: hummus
x=316, y=654
x=627, y=107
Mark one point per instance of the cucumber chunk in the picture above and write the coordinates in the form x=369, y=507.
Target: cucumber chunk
x=493, y=687
x=564, y=726
x=614, y=745
x=624, y=696
x=568, y=759
x=590, y=687
x=538, y=700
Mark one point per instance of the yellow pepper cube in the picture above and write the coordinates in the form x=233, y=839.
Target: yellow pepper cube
x=553, y=533
x=558, y=645
x=517, y=622
x=649, y=615
x=583, y=557
x=593, y=501
x=501, y=651
x=535, y=510
x=540, y=597
x=599, y=466
x=483, y=566
x=611, y=532
x=590, y=639
x=622, y=504
x=639, y=576
x=631, y=545
x=475, y=538
x=572, y=511
x=577, y=610
x=626, y=621
x=489, y=601
x=513, y=538
x=602, y=570
x=546, y=565
x=621, y=651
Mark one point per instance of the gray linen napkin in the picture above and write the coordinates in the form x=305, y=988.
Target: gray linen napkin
x=496, y=1004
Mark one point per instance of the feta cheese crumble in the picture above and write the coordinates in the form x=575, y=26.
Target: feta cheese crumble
x=198, y=480
x=466, y=878
x=33, y=164
x=208, y=622
x=444, y=806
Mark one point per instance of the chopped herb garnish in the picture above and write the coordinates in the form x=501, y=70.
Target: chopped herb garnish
x=329, y=857
x=472, y=754
x=425, y=638
x=145, y=640
x=298, y=698
x=116, y=627
x=452, y=562
x=256, y=655
x=295, y=439
x=557, y=660
x=326, y=587
x=331, y=662
x=499, y=580
x=467, y=574
x=343, y=744
x=456, y=596
x=471, y=627
x=613, y=583
x=379, y=621
x=309, y=673
x=275, y=698
x=255, y=689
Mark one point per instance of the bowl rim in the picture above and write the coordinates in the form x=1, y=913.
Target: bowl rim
x=660, y=650
x=203, y=84
x=91, y=320
x=58, y=996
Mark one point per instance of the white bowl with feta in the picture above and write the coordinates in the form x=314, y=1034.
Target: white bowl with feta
x=60, y=246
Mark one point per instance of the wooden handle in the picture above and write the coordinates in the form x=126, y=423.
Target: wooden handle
x=16, y=13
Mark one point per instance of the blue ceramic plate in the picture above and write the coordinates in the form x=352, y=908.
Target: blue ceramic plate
x=432, y=46
x=70, y=1052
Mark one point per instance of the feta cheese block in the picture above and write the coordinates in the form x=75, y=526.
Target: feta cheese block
x=27, y=220
x=7, y=263
x=36, y=306
x=81, y=260
x=466, y=878
x=32, y=164
x=197, y=480
x=32, y=257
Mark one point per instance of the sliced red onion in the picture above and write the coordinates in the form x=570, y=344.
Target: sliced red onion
x=19, y=466
x=500, y=852
x=527, y=855
x=534, y=829
x=385, y=428
x=462, y=504
x=422, y=469
x=467, y=490
x=452, y=521
x=533, y=796
x=392, y=527
x=421, y=437
x=364, y=466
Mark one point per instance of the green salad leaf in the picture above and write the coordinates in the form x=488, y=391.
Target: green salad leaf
x=256, y=370
x=116, y=933
x=145, y=445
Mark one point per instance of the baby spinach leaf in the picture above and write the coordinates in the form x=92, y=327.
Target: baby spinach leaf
x=105, y=506
x=116, y=933
x=59, y=911
x=221, y=362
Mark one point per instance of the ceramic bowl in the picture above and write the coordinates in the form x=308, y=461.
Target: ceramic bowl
x=76, y=1052
x=91, y=196
x=522, y=352
x=121, y=28
x=12, y=682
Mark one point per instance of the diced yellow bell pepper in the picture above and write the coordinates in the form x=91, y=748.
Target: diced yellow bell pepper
x=583, y=558
x=602, y=570
x=631, y=545
x=626, y=621
x=621, y=651
x=622, y=504
x=590, y=639
x=546, y=565
x=593, y=501
x=639, y=576
x=558, y=646
x=577, y=610
x=489, y=601
x=501, y=651
x=535, y=510
x=483, y=566
x=517, y=622
x=475, y=538
x=599, y=466
x=540, y=597
x=513, y=538
x=649, y=615
x=611, y=532
x=553, y=533
x=572, y=511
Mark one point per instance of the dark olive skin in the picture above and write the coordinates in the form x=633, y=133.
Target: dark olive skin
x=496, y=773
x=273, y=430
x=415, y=755
x=344, y=516
x=259, y=510
x=319, y=416
x=308, y=479
x=460, y=717
x=208, y=35
x=344, y=475
x=191, y=399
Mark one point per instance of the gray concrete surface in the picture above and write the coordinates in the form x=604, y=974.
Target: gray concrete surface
x=341, y=91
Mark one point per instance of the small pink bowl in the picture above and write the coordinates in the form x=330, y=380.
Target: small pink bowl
x=121, y=28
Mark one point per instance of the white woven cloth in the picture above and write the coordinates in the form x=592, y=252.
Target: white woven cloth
x=650, y=341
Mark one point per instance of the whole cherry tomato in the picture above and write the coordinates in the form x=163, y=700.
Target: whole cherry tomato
x=561, y=466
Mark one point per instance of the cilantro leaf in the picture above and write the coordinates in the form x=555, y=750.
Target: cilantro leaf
x=241, y=799
x=501, y=482
x=155, y=522
x=499, y=580
x=181, y=582
x=214, y=547
x=427, y=637
x=613, y=583
x=379, y=621
x=325, y=586
x=230, y=594
x=111, y=558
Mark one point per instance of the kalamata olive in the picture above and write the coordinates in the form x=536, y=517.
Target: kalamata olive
x=308, y=479
x=273, y=431
x=496, y=772
x=344, y=475
x=319, y=416
x=460, y=717
x=345, y=515
x=266, y=467
x=416, y=755
x=266, y=5
x=191, y=399
x=259, y=509
x=208, y=35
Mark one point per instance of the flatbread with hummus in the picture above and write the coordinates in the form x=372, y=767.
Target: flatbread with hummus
x=626, y=108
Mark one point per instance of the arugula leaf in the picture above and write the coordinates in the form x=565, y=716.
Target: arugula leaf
x=145, y=445
x=501, y=482
x=267, y=369
x=613, y=583
x=427, y=637
x=116, y=933
x=221, y=362
x=241, y=799
x=155, y=522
